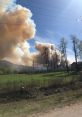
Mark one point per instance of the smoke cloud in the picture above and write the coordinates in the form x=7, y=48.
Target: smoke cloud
x=5, y=4
x=16, y=28
x=52, y=52
x=41, y=46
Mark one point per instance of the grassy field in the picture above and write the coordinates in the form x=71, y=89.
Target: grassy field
x=33, y=84
x=22, y=94
x=36, y=80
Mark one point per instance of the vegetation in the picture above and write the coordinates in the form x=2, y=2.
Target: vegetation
x=16, y=81
x=24, y=108
x=19, y=86
x=22, y=94
x=63, y=50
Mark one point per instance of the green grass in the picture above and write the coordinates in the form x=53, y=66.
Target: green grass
x=38, y=80
x=32, y=83
x=62, y=88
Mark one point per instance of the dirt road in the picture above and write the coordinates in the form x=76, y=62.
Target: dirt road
x=68, y=111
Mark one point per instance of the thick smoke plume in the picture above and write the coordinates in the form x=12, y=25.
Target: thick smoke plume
x=47, y=51
x=41, y=46
x=16, y=28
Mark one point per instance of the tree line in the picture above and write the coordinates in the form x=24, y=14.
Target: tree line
x=62, y=61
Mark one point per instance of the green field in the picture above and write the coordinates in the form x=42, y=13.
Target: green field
x=24, y=94
x=36, y=80
x=33, y=83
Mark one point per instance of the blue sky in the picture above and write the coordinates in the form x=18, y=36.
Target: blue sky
x=55, y=19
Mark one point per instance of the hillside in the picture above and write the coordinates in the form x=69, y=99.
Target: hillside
x=14, y=67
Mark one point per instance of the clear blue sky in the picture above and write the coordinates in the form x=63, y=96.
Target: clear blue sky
x=55, y=19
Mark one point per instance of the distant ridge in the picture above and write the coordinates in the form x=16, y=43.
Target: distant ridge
x=14, y=67
x=20, y=68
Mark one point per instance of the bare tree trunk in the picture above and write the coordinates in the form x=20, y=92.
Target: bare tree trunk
x=75, y=49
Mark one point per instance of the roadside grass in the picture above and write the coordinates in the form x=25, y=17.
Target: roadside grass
x=12, y=81
x=21, y=86
x=24, y=108
x=22, y=95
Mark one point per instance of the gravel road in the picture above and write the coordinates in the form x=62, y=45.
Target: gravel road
x=74, y=110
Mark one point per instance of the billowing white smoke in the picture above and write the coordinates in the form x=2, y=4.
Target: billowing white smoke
x=41, y=46
x=16, y=28
x=52, y=52
x=5, y=4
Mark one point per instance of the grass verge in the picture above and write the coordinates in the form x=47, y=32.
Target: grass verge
x=46, y=91
x=26, y=107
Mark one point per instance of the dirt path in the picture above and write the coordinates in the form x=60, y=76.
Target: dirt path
x=68, y=111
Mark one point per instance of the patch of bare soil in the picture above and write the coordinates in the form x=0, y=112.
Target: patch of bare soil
x=74, y=110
